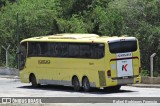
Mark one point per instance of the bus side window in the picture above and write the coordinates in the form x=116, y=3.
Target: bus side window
x=55, y=49
x=58, y=49
x=64, y=50
x=94, y=51
x=85, y=51
x=30, y=49
x=97, y=51
x=73, y=50
x=100, y=50
x=44, y=49
x=34, y=49
x=51, y=48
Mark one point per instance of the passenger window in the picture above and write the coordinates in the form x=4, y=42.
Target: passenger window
x=85, y=51
x=73, y=50
x=34, y=49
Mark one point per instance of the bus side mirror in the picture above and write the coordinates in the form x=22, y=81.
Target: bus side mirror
x=20, y=58
x=19, y=55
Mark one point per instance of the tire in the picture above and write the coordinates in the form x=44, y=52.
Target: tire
x=116, y=88
x=34, y=81
x=86, y=85
x=75, y=83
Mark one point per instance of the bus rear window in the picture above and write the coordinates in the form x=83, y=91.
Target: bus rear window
x=123, y=46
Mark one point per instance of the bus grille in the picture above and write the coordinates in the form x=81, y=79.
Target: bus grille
x=102, y=78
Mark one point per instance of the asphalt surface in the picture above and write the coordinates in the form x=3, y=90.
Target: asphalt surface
x=10, y=87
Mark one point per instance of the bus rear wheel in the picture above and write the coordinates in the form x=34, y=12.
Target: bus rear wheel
x=75, y=83
x=34, y=81
x=86, y=85
x=116, y=88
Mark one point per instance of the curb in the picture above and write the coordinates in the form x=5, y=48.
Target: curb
x=9, y=71
x=9, y=76
x=151, y=80
x=146, y=85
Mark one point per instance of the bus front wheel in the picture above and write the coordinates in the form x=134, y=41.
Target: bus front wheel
x=86, y=85
x=34, y=81
x=75, y=83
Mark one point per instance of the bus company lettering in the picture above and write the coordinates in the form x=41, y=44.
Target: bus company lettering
x=44, y=62
x=123, y=55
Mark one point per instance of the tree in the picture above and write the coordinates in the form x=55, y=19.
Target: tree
x=139, y=18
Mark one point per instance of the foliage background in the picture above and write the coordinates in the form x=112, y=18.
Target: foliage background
x=139, y=18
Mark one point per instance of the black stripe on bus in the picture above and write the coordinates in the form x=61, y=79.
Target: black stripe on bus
x=124, y=58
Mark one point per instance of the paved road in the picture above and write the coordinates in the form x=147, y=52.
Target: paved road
x=14, y=88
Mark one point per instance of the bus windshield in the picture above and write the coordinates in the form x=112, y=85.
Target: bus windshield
x=123, y=46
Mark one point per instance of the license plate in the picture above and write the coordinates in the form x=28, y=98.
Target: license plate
x=125, y=77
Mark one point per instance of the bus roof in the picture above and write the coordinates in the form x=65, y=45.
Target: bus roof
x=67, y=37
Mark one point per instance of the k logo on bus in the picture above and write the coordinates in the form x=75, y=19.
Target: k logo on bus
x=124, y=67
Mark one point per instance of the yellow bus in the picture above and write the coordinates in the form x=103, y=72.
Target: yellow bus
x=80, y=60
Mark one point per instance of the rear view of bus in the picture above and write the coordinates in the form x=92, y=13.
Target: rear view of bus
x=123, y=59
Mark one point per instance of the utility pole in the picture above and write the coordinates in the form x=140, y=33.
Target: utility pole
x=151, y=63
x=18, y=45
x=6, y=49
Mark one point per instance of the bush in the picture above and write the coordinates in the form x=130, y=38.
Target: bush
x=145, y=72
x=156, y=73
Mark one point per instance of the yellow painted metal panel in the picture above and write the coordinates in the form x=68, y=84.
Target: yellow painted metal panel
x=65, y=68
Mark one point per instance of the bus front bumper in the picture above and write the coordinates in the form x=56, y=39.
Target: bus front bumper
x=24, y=77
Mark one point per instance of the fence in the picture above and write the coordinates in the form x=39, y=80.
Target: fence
x=7, y=56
